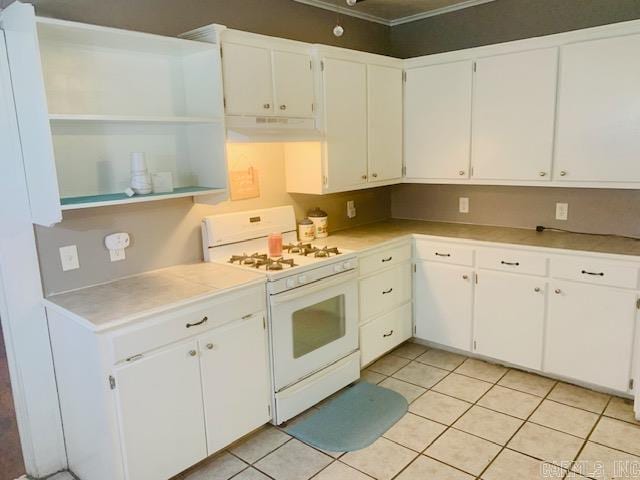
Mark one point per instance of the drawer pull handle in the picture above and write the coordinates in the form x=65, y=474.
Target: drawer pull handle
x=385, y=335
x=248, y=316
x=598, y=274
x=387, y=291
x=192, y=353
x=513, y=264
x=384, y=260
x=209, y=346
x=558, y=291
x=442, y=254
x=537, y=289
x=204, y=320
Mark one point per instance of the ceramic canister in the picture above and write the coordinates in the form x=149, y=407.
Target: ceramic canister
x=321, y=221
x=306, y=230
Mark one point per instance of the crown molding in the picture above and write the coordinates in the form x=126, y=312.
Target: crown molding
x=346, y=10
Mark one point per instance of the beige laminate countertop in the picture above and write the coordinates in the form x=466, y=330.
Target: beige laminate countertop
x=112, y=304
x=369, y=236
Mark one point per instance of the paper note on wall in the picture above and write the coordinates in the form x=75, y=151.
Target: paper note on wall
x=244, y=184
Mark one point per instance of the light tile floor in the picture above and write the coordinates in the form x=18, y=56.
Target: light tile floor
x=467, y=419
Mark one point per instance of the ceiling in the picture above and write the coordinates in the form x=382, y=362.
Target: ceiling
x=394, y=12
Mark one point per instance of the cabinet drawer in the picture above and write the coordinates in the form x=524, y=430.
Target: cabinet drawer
x=385, y=290
x=444, y=252
x=384, y=333
x=600, y=272
x=169, y=327
x=384, y=258
x=512, y=261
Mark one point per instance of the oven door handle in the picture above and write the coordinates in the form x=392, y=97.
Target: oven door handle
x=314, y=287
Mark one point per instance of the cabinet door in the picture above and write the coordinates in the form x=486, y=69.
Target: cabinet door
x=590, y=333
x=437, y=129
x=345, y=101
x=160, y=412
x=235, y=380
x=599, y=111
x=248, y=84
x=509, y=318
x=443, y=304
x=293, y=79
x=514, y=100
x=384, y=101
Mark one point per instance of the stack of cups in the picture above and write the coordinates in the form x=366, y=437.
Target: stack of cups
x=140, y=178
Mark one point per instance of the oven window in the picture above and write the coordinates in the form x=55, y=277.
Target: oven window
x=318, y=325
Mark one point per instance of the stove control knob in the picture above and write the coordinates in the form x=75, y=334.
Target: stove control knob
x=346, y=265
x=302, y=279
x=337, y=268
x=291, y=283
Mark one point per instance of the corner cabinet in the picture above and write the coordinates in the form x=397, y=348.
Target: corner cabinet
x=159, y=394
x=88, y=96
x=360, y=114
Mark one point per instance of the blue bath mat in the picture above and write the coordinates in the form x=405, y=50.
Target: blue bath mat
x=354, y=419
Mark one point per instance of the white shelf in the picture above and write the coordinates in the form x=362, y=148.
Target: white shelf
x=87, y=35
x=91, y=201
x=79, y=118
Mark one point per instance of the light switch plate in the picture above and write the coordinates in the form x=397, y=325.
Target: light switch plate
x=463, y=205
x=351, y=209
x=69, y=258
x=562, y=211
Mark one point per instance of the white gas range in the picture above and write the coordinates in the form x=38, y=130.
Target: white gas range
x=313, y=304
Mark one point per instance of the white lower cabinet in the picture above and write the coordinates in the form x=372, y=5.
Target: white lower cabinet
x=386, y=314
x=235, y=382
x=509, y=318
x=444, y=304
x=384, y=333
x=160, y=413
x=590, y=333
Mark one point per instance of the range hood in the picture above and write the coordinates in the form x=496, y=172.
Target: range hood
x=271, y=129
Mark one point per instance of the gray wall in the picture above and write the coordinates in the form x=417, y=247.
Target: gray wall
x=281, y=18
x=590, y=210
x=503, y=21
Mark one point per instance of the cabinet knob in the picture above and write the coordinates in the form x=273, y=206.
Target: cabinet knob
x=192, y=353
x=266, y=106
x=563, y=173
x=543, y=174
x=558, y=291
x=461, y=172
x=465, y=277
x=283, y=107
x=537, y=289
x=209, y=346
x=364, y=177
x=374, y=175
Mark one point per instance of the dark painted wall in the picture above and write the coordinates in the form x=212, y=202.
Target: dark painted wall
x=281, y=18
x=503, y=21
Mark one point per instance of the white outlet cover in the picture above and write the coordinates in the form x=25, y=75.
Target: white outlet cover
x=351, y=209
x=69, y=258
x=463, y=205
x=562, y=211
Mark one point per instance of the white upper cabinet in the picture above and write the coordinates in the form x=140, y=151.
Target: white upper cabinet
x=345, y=106
x=384, y=105
x=293, y=81
x=598, y=136
x=438, y=121
x=514, y=100
x=248, y=85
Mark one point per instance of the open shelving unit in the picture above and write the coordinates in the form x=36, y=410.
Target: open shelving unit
x=108, y=93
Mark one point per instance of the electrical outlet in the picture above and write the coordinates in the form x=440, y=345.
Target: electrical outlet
x=464, y=204
x=351, y=209
x=69, y=258
x=562, y=211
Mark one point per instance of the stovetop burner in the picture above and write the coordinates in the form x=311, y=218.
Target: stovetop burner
x=307, y=249
x=259, y=260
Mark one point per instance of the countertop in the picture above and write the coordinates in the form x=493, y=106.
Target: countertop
x=375, y=234
x=112, y=304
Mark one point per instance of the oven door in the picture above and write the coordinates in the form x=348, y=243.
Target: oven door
x=313, y=326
